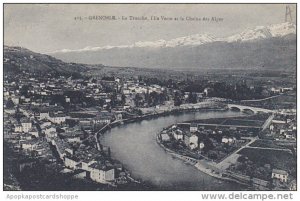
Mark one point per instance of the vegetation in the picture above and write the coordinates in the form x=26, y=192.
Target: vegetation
x=265, y=144
x=276, y=158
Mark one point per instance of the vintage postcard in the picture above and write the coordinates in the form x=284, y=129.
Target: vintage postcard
x=149, y=97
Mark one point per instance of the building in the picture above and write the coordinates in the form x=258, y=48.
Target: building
x=26, y=124
x=44, y=115
x=103, y=118
x=193, y=142
x=44, y=124
x=102, y=173
x=57, y=118
x=225, y=140
x=271, y=127
x=18, y=128
x=71, y=161
x=28, y=145
x=178, y=134
x=48, y=130
x=282, y=175
x=33, y=131
x=293, y=185
x=119, y=116
x=62, y=147
x=164, y=137
x=193, y=127
x=15, y=100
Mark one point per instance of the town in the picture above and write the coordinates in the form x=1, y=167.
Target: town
x=54, y=123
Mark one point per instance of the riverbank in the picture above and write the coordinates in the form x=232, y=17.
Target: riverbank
x=176, y=111
x=134, y=145
x=202, y=165
x=156, y=115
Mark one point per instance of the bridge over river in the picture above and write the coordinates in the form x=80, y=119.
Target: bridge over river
x=244, y=108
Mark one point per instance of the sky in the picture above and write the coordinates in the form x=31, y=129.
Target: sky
x=46, y=28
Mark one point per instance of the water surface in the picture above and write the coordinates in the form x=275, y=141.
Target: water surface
x=135, y=146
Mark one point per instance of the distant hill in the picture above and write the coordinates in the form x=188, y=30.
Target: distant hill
x=269, y=47
x=17, y=59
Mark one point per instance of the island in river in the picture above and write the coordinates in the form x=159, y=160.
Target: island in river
x=135, y=146
x=212, y=145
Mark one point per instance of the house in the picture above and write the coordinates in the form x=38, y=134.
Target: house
x=231, y=140
x=288, y=135
x=293, y=185
x=33, y=131
x=282, y=175
x=71, y=161
x=57, y=118
x=25, y=136
x=45, y=124
x=193, y=142
x=271, y=127
x=29, y=145
x=224, y=140
x=18, y=128
x=207, y=91
x=193, y=127
x=275, y=90
x=10, y=110
x=62, y=147
x=51, y=134
x=119, y=116
x=178, y=134
x=28, y=162
x=102, y=173
x=73, y=138
x=26, y=124
x=15, y=100
x=49, y=129
x=85, y=163
x=103, y=118
x=85, y=123
x=164, y=137
x=44, y=115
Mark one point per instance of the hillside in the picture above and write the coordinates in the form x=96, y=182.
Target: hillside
x=17, y=59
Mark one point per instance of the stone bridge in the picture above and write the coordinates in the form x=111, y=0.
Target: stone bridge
x=245, y=108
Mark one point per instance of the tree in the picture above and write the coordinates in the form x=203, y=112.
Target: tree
x=192, y=98
x=177, y=99
x=137, y=100
x=10, y=104
x=123, y=99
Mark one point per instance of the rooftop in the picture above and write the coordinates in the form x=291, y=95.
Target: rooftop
x=100, y=165
x=277, y=171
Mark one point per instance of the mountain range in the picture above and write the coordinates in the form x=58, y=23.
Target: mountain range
x=263, y=46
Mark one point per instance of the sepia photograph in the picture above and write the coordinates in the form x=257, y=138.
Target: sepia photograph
x=149, y=97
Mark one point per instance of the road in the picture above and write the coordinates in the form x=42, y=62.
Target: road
x=261, y=99
x=232, y=158
x=268, y=122
x=269, y=148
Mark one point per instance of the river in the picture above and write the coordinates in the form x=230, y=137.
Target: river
x=135, y=146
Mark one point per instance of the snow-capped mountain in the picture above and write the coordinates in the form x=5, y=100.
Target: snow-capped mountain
x=271, y=46
x=264, y=32
x=260, y=32
x=197, y=39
